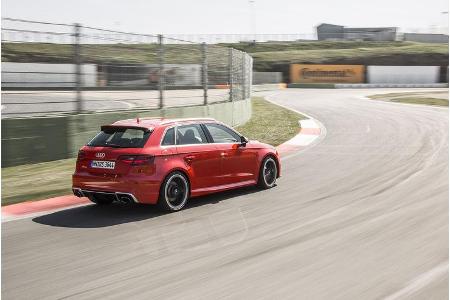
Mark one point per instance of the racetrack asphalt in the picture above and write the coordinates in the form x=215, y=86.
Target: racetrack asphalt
x=363, y=214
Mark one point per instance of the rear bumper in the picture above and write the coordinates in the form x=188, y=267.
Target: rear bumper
x=120, y=197
x=139, y=189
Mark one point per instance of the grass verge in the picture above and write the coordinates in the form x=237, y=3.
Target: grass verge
x=426, y=98
x=37, y=181
x=270, y=124
x=266, y=55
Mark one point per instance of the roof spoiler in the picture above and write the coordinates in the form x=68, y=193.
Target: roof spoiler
x=106, y=127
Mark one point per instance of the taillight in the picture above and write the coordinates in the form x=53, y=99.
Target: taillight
x=136, y=160
x=81, y=155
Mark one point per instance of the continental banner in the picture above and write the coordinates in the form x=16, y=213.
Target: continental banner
x=327, y=73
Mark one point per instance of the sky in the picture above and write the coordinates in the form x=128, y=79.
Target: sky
x=233, y=16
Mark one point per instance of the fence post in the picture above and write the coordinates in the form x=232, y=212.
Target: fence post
x=243, y=83
x=250, y=72
x=77, y=62
x=205, y=73
x=230, y=72
x=161, y=70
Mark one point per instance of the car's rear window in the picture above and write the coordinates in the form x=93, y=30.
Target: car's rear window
x=120, y=137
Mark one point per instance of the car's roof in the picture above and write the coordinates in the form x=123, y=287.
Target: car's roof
x=151, y=123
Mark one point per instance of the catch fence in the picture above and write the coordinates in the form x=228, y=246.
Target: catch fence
x=52, y=68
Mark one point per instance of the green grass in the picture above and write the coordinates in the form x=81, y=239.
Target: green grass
x=269, y=54
x=424, y=98
x=320, y=55
x=100, y=53
x=37, y=181
x=313, y=45
x=265, y=54
x=270, y=123
x=417, y=100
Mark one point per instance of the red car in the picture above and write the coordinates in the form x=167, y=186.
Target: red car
x=166, y=161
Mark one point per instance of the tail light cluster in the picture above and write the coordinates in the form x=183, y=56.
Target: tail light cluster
x=81, y=155
x=136, y=160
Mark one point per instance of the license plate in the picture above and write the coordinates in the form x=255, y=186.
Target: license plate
x=99, y=164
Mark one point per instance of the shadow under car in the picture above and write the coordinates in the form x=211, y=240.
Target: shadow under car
x=96, y=216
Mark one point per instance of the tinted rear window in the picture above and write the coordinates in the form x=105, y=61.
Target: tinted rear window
x=121, y=137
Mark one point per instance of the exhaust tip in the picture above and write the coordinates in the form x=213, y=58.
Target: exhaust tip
x=78, y=193
x=124, y=198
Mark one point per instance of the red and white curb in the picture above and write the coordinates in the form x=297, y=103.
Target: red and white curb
x=36, y=208
x=310, y=131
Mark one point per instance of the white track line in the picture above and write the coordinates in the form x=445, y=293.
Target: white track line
x=420, y=282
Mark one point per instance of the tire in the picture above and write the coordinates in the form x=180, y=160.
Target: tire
x=174, y=192
x=268, y=173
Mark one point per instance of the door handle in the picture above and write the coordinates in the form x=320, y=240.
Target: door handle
x=223, y=154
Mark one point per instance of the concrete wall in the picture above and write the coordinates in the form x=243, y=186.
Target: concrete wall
x=425, y=37
x=147, y=74
x=46, y=75
x=403, y=74
x=267, y=77
x=33, y=140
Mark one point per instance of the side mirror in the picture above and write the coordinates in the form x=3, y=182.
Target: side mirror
x=244, y=141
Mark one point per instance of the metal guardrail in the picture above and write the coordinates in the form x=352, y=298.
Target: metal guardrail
x=66, y=68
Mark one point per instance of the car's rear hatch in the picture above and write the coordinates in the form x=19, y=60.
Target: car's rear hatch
x=116, y=150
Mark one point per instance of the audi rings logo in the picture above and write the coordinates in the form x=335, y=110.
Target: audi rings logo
x=100, y=155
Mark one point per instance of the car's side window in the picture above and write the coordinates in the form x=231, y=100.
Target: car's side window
x=222, y=134
x=169, y=137
x=190, y=134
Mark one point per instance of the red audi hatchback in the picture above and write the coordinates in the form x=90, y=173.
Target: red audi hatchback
x=166, y=161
